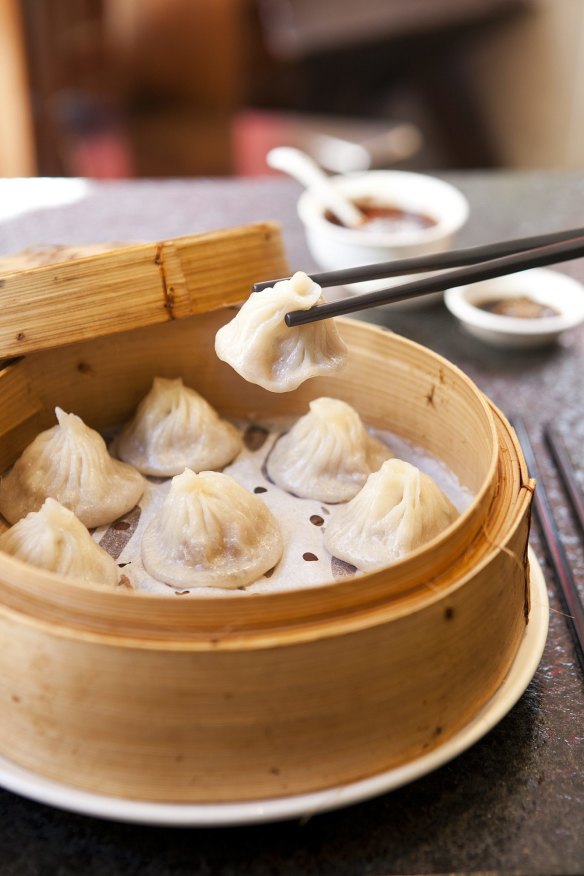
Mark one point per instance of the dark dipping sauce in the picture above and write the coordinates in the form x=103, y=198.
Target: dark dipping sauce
x=519, y=307
x=388, y=219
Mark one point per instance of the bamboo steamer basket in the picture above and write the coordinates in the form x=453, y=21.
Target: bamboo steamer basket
x=215, y=699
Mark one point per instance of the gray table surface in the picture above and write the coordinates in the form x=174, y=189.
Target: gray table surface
x=513, y=803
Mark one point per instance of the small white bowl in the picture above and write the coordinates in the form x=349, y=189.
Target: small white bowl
x=556, y=290
x=334, y=247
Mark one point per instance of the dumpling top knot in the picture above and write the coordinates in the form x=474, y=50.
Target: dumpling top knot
x=71, y=422
x=258, y=344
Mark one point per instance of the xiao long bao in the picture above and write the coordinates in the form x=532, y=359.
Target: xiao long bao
x=211, y=532
x=399, y=509
x=70, y=463
x=327, y=454
x=258, y=344
x=175, y=428
x=54, y=539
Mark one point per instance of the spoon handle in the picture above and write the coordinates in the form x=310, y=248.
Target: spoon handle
x=299, y=165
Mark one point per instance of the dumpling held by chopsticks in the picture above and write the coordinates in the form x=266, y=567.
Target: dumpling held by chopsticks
x=258, y=344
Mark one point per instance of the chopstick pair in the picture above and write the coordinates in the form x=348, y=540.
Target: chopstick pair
x=482, y=263
x=552, y=543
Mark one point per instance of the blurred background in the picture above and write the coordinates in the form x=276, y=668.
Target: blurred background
x=158, y=88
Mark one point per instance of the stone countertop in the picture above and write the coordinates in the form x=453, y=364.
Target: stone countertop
x=514, y=802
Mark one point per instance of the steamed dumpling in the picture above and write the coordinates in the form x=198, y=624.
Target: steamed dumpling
x=258, y=344
x=327, y=455
x=70, y=463
x=211, y=532
x=398, y=509
x=175, y=428
x=54, y=539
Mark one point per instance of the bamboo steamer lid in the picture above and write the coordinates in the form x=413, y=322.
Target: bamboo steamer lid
x=106, y=292
x=216, y=700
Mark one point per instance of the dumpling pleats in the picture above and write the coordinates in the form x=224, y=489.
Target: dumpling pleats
x=399, y=509
x=70, y=463
x=175, y=428
x=327, y=454
x=54, y=539
x=211, y=532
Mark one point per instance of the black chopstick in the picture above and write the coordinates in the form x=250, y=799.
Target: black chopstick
x=531, y=258
x=552, y=543
x=434, y=262
x=567, y=474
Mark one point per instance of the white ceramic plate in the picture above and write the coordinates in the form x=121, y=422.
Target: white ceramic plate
x=35, y=787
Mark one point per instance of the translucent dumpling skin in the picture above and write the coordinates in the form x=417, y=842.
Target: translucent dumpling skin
x=175, y=428
x=70, y=463
x=54, y=539
x=211, y=532
x=399, y=509
x=327, y=455
x=258, y=344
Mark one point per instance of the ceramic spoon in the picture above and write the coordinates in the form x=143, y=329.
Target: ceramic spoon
x=301, y=167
